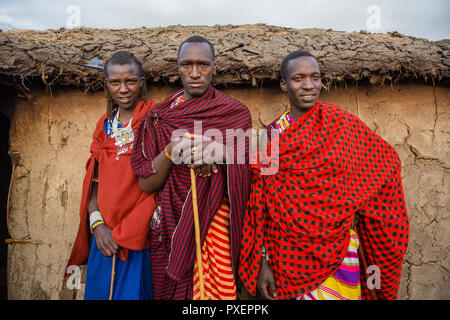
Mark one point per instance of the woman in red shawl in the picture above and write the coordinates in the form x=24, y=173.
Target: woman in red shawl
x=114, y=212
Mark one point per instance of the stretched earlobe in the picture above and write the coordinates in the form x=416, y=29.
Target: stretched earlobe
x=283, y=85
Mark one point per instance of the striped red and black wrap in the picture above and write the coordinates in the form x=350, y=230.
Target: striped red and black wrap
x=331, y=166
x=172, y=239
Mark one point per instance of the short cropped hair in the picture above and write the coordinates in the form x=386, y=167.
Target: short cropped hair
x=291, y=56
x=123, y=57
x=197, y=39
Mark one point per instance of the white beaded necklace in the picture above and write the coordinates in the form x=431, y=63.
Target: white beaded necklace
x=124, y=136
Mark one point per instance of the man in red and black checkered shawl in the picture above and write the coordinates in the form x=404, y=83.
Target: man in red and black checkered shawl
x=336, y=181
x=159, y=159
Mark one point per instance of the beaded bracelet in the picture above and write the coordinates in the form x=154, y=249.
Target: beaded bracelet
x=95, y=219
x=264, y=254
x=95, y=225
x=168, y=156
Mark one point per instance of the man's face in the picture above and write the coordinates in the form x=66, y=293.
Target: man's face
x=124, y=84
x=303, y=82
x=196, y=67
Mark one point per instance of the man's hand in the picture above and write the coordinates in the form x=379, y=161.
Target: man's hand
x=204, y=170
x=202, y=154
x=105, y=242
x=266, y=281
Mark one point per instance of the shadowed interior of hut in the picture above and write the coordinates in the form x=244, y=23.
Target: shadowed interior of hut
x=5, y=176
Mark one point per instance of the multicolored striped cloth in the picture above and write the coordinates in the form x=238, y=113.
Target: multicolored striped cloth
x=344, y=284
x=218, y=276
x=283, y=122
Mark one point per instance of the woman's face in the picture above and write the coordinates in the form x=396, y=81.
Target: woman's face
x=124, y=84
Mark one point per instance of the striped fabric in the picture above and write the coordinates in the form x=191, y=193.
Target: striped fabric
x=218, y=276
x=172, y=241
x=283, y=122
x=344, y=283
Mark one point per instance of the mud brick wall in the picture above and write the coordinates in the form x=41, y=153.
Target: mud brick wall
x=53, y=135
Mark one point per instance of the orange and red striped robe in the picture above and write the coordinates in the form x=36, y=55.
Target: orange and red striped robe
x=218, y=276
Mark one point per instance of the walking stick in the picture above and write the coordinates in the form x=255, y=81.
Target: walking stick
x=372, y=292
x=197, y=236
x=113, y=272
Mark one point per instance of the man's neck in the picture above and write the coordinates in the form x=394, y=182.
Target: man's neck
x=186, y=96
x=297, y=113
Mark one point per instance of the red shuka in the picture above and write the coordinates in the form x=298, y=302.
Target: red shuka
x=124, y=207
x=331, y=166
x=172, y=236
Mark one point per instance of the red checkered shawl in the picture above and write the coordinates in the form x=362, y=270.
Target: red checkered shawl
x=331, y=167
x=172, y=241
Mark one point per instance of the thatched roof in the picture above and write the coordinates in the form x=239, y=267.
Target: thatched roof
x=248, y=54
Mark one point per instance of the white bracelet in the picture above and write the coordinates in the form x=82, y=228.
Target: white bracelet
x=94, y=217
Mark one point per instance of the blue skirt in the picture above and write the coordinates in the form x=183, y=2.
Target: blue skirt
x=132, y=281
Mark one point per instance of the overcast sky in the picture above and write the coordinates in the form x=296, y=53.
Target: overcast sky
x=428, y=19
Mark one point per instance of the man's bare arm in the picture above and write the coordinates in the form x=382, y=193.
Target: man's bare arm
x=162, y=166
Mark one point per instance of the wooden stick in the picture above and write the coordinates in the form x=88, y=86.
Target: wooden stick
x=8, y=241
x=9, y=194
x=197, y=236
x=18, y=241
x=113, y=272
x=372, y=292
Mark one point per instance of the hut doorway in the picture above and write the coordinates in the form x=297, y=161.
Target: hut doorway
x=5, y=176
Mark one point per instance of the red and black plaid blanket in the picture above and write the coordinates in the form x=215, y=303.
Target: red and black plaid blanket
x=331, y=166
x=172, y=236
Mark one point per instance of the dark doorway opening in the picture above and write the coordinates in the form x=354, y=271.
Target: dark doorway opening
x=6, y=95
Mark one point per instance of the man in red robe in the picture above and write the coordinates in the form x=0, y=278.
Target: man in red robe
x=332, y=169
x=222, y=189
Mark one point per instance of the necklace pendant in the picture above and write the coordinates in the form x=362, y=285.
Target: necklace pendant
x=124, y=137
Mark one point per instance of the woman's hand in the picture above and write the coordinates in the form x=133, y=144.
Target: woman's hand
x=105, y=242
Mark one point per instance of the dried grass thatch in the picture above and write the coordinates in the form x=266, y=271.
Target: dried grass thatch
x=247, y=54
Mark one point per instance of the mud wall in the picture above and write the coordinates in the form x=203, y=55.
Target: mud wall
x=53, y=135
